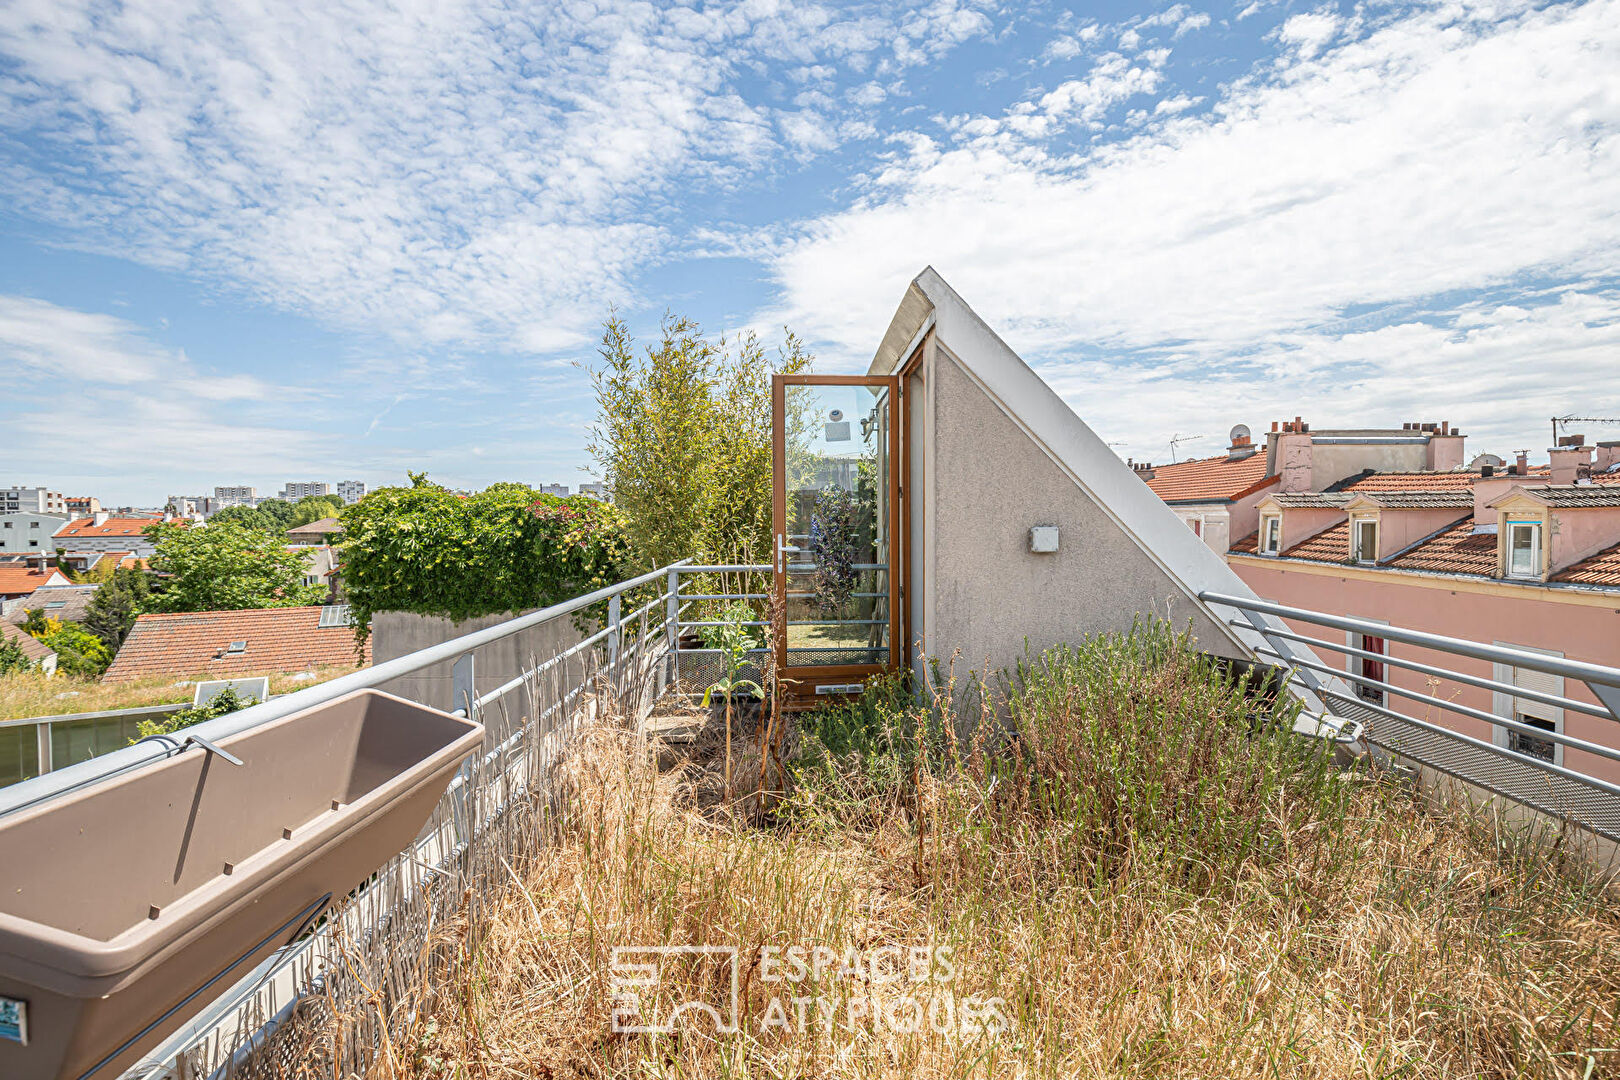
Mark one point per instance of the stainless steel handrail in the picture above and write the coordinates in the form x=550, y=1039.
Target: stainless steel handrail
x=41, y=788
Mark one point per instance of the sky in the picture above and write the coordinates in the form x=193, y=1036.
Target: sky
x=269, y=240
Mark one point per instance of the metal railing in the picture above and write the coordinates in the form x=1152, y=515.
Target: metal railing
x=1553, y=784
x=529, y=720
x=37, y=750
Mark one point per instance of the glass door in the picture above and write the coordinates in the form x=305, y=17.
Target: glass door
x=835, y=489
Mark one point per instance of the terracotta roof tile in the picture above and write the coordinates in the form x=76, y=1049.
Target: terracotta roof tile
x=23, y=580
x=1440, y=499
x=1406, y=481
x=1249, y=544
x=1329, y=545
x=82, y=527
x=1210, y=479
x=1600, y=569
x=33, y=648
x=1310, y=500
x=195, y=643
x=1457, y=550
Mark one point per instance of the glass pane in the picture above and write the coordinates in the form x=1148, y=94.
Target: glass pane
x=1524, y=554
x=81, y=740
x=836, y=466
x=19, y=754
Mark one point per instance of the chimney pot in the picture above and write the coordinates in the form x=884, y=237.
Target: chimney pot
x=1487, y=470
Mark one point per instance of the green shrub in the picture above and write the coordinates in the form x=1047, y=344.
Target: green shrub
x=222, y=703
x=507, y=548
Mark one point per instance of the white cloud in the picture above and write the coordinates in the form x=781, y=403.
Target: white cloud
x=446, y=172
x=1431, y=156
x=1309, y=32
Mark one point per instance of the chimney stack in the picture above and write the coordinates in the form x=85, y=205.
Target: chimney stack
x=1242, y=447
x=1570, y=458
x=100, y=517
x=1608, y=457
x=1521, y=462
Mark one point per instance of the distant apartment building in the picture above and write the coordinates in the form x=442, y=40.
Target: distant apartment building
x=186, y=506
x=29, y=533
x=32, y=500
x=351, y=491
x=597, y=490
x=559, y=490
x=296, y=490
x=82, y=505
x=1391, y=527
x=243, y=492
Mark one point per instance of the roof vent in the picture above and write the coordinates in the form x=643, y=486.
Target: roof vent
x=236, y=648
x=335, y=615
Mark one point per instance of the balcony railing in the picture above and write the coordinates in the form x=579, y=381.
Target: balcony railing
x=633, y=660
x=1568, y=787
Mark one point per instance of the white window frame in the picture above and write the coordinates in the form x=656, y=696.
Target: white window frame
x=1535, y=528
x=1512, y=707
x=1266, y=522
x=1352, y=663
x=1356, y=552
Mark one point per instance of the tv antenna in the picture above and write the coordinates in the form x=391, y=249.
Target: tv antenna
x=1177, y=440
x=1580, y=420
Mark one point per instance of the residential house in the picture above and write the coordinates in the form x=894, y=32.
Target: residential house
x=19, y=580
x=229, y=644
x=316, y=532
x=69, y=603
x=1522, y=555
x=32, y=500
x=103, y=534
x=39, y=654
x=28, y=533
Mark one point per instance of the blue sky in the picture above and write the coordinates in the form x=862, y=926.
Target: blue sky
x=254, y=242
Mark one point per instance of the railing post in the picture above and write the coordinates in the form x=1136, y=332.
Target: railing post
x=42, y=743
x=672, y=629
x=463, y=690
x=615, y=631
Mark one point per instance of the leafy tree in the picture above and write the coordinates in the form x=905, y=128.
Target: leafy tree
x=314, y=508
x=78, y=652
x=225, y=567
x=278, y=512
x=683, y=436
x=36, y=623
x=113, y=609
x=12, y=659
x=506, y=548
x=251, y=517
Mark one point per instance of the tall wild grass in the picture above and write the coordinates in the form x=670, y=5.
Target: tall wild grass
x=1123, y=845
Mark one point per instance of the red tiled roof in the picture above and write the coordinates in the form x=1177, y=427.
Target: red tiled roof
x=1329, y=545
x=1457, y=550
x=1407, y=481
x=23, y=580
x=1249, y=544
x=194, y=643
x=1209, y=479
x=1600, y=569
x=111, y=527
x=33, y=648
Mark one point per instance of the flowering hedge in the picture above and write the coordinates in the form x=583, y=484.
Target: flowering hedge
x=507, y=548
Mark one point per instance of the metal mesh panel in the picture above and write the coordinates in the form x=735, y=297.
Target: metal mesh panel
x=1557, y=796
x=699, y=668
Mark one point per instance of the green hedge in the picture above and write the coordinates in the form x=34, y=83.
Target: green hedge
x=507, y=548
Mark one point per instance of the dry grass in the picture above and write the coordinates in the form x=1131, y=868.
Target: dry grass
x=32, y=694
x=1128, y=927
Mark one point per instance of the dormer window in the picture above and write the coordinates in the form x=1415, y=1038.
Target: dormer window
x=1364, y=541
x=1524, y=549
x=1271, y=534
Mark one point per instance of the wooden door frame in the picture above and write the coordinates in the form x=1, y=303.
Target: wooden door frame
x=833, y=672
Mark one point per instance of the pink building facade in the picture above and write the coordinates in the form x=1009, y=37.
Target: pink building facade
x=1516, y=555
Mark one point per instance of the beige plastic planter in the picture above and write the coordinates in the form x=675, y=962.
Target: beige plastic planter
x=120, y=903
